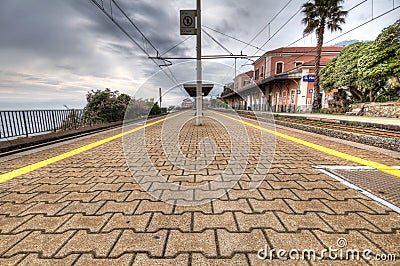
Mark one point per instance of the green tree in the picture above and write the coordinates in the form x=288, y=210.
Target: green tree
x=105, y=106
x=154, y=108
x=142, y=108
x=342, y=72
x=318, y=15
x=370, y=71
x=380, y=62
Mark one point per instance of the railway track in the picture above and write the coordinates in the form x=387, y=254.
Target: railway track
x=368, y=135
x=346, y=128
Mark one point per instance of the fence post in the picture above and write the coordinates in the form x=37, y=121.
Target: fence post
x=25, y=124
x=54, y=121
x=74, y=118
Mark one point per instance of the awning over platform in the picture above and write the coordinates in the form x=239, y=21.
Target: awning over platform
x=190, y=88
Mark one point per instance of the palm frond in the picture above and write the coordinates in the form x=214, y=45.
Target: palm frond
x=321, y=13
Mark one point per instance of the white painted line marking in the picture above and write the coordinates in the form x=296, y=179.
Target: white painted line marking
x=362, y=191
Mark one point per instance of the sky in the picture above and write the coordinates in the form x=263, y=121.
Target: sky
x=52, y=52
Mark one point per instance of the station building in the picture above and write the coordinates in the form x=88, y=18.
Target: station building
x=282, y=79
x=187, y=103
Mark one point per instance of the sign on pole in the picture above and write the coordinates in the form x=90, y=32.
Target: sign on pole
x=188, y=18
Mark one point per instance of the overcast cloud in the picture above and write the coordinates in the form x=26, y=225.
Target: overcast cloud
x=52, y=52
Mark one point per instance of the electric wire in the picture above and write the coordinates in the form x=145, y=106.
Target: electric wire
x=233, y=38
x=268, y=24
x=217, y=42
x=271, y=37
x=176, y=45
x=308, y=34
x=351, y=30
x=110, y=16
x=304, y=36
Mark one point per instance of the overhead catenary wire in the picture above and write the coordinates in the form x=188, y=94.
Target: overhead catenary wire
x=304, y=36
x=110, y=16
x=134, y=25
x=176, y=45
x=119, y=26
x=308, y=34
x=271, y=37
x=362, y=24
x=280, y=28
x=259, y=33
x=217, y=42
x=233, y=38
x=314, y=50
x=268, y=24
x=351, y=30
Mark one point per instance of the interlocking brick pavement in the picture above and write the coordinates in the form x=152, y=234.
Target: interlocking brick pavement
x=89, y=210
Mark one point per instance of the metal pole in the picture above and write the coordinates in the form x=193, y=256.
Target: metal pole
x=159, y=92
x=199, y=97
x=25, y=124
x=234, y=78
x=54, y=121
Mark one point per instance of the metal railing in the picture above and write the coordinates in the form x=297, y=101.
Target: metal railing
x=32, y=122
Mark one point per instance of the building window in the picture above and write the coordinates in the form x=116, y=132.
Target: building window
x=262, y=71
x=256, y=74
x=298, y=63
x=279, y=68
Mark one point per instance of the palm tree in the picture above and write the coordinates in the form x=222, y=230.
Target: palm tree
x=317, y=16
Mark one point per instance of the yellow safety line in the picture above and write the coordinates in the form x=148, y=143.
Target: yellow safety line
x=381, y=167
x=32, y=167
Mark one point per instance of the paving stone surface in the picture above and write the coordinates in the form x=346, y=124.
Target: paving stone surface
x=89, y=210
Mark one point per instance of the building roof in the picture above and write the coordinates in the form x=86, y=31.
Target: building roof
x=249, y=73
x=304, y=50
x=290, y=74
x=323, y=62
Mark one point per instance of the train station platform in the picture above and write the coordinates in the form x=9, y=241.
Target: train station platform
x=348, y=118
x=230, y=192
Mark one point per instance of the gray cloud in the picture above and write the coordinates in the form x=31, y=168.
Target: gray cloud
x=53, y=51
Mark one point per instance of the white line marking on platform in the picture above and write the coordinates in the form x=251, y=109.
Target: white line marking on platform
x=361, y=190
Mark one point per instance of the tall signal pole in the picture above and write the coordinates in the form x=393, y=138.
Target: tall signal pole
x=159, y=92
x=199, y=96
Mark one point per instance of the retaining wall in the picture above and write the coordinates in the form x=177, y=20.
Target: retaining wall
x=388, y=109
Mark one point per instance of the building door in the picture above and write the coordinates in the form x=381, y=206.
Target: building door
x=284, y=101
x=292, y=101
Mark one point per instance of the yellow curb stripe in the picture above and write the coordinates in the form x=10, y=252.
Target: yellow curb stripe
x=381, y=167
x=32, y=167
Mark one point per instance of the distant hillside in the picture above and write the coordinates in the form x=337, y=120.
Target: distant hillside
x=346, y=42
